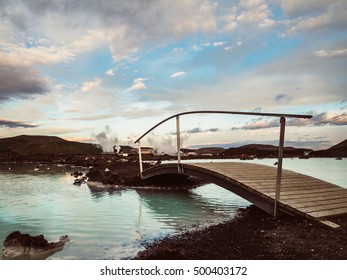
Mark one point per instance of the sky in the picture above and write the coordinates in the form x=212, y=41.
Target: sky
x=106, y=71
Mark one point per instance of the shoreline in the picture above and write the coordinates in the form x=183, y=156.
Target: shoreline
x=253, y=235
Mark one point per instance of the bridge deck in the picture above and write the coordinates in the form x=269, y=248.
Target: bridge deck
x=300, y=194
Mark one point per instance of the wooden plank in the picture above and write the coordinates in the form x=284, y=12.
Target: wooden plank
x=285, y=187
x=330, y=224
x=298, y=182
x=303, y=184
x=341, y=192
x=309, y=191
x=328, y=213
x=318, y=202
x=314, y=199
x=301, y=194
x=308, y=209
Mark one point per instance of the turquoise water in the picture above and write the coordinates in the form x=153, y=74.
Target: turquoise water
x=117, y=225
x=102, y=225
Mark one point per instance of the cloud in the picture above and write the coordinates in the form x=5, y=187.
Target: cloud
x=319, y=119
x=299, y=8
x=332, y=53
x=196, y=48
x=88, y=118
x=15, y=124
x=255, y=12
x=19, y=55
x=196, y=130
x=178, y=74
x=315, y=14
x=124, y=27
x=89, y=85
x=145, y=109
x=20, y=82
x=283, y=98
x=326, y=119
x=219, y=44
x=110, y=72
x=138, y=84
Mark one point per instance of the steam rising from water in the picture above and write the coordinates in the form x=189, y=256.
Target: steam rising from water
x=165, y=144
x=107, y=140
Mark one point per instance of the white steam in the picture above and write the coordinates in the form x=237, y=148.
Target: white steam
x=107, y=140
x=165, y=144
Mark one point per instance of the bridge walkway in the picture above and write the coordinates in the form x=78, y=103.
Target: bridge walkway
x=300, y=194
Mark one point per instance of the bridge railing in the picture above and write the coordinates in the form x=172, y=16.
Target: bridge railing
x=282, y=123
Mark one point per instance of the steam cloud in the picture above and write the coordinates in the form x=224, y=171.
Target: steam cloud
x=106, y=140
x=165, y=144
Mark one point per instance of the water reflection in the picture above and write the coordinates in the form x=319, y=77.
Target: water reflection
x=181, y=209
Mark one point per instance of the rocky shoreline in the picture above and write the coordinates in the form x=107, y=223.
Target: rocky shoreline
x=115, y=176
x=253, y=235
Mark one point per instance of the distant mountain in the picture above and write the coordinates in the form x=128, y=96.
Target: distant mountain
x=29, y=145
x=261, y=150
x=266, y=147
x=338, y=150
x=205, y=150
x=342, y=145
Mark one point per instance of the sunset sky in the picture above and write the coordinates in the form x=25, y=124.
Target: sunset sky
x=108, y=70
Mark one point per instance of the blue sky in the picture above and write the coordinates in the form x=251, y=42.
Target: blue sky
x=75, y=69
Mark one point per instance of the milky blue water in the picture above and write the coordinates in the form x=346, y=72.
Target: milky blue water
x=116, y=225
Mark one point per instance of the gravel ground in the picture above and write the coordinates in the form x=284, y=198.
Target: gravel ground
x=252, y=235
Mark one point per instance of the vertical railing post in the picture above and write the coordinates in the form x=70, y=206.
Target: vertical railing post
x=140, y=158
x=178, y=134
x=279, y=164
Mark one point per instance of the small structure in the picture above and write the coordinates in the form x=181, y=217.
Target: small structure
x=147, y=151
x=126, y=151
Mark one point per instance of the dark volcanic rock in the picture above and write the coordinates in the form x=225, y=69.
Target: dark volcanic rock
x=126, y=174
x=105, y=177
x=23, y=246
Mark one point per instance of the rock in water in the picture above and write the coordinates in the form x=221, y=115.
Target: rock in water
x=23, y=246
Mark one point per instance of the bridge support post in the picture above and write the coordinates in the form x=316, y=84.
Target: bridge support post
x=279, y=164
x=178, y=134
x=140, y=158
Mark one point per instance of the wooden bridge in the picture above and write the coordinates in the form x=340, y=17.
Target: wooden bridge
x=271, y=189
x=300, y=194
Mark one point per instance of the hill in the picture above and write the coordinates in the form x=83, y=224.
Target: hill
x=260, y=150
x=205, y=150
x=29, y=145
x=342, y=145
x=338, y=150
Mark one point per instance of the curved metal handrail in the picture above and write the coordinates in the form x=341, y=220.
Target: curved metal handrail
x=224, y=112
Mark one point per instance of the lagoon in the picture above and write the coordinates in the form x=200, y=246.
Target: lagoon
x=117, y=225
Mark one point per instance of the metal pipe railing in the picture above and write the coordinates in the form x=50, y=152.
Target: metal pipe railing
x=279, y=164
x=178, y=135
